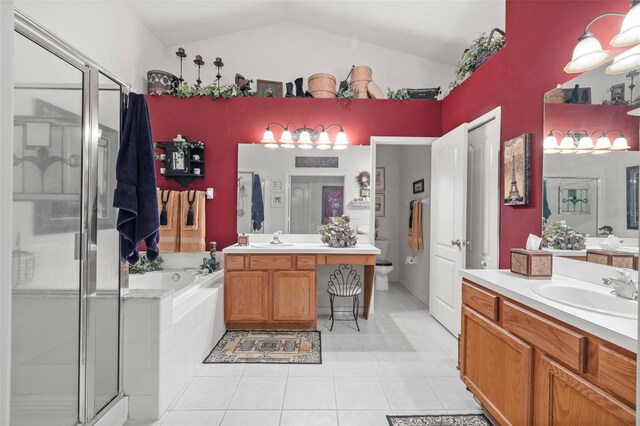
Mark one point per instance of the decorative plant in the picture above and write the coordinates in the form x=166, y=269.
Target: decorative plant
x=363, y=179
x=398, y=94
x=338, y=233
x=559, y=235
x=347, y=94
x=481, y=48
x=144, y=265
x=185, y=90
x=210, y=265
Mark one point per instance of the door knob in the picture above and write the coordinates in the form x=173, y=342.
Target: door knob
x=456, y=243
x=466, y=243
x=483, y=264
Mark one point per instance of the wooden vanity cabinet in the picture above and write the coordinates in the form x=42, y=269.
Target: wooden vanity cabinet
x=527, y=368
x=270, y=292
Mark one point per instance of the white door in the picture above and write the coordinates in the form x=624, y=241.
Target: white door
x=299, y=209
x=483, y=195
x=448, y=223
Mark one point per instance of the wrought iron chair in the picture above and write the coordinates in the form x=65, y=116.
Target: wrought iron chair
x=345, y=282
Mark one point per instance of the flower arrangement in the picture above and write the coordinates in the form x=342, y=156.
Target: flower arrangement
x=185, y=90
x=561, y=236
x=144, y=265
x=363, y=179
x=338, y=233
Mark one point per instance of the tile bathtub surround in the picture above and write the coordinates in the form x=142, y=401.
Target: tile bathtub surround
x=363, y=377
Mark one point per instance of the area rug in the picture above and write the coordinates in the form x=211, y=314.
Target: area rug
x=440, y=420
x=267, y=347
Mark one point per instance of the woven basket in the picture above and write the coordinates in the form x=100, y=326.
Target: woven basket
x=322, y=85
x=362, y=72
x=486, y=55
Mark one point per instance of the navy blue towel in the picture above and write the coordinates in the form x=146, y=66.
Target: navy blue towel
x=546, y=211
x=135, y=195
x=257, y=204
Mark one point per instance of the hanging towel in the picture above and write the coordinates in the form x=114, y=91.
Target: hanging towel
x=169, y=211
x=546, y=211
x=192, y=232
x=415, y=226
x=257, y=204
x=135, y=194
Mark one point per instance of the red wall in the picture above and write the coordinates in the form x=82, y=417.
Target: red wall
x=591, y=118
x=224, y=123
x=541, y=36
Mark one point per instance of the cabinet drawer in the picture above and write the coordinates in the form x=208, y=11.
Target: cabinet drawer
x=234, y=262
x=559, y=342
x=349, y=259
x=270, y=262
x=481, y=301
x=306, y=262
x=617, y=374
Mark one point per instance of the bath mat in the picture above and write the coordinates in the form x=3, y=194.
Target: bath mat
x=440, y=420
x=267, y=347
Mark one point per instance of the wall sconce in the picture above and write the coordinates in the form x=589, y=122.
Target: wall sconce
x=588, y=53
x=582, y=143
x=304, y=137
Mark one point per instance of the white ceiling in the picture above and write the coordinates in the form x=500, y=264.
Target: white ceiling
x=435, y=29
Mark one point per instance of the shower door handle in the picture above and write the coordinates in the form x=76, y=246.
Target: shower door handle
x=77, y=249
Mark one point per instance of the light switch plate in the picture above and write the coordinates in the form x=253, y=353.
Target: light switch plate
x=210, y=194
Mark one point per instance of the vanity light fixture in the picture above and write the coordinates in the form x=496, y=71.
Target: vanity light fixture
x=550, y=145
x=305, y=137
x=582, y=143
x=625, y=62
x=630, y=31
x=585, y=144
x=587, y=55
x=568, y=144
x=620, y=143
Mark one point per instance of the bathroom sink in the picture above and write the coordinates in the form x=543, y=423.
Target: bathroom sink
x=589, y=297
x=271, y=246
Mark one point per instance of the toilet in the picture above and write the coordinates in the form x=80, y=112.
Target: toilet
x=383, y=266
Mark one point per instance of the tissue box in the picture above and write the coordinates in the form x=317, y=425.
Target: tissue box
x=532, y=263
x=619, y=259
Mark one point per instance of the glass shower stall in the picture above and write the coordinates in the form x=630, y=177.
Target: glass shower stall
x=66, y=269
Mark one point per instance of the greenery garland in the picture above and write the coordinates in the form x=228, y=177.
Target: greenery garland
x=186, y=90
x=399, y=94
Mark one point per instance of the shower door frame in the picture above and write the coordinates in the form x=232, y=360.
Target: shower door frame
x=39, y=35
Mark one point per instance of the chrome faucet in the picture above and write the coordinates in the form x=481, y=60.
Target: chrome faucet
x=626, y=289
x=276, y=237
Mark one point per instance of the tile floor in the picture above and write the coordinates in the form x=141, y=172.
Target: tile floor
x=402, y=362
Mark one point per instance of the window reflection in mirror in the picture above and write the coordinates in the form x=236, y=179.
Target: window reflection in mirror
x=296, y=191
x=593, y=190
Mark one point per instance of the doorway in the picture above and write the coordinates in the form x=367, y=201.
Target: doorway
x=465, y=213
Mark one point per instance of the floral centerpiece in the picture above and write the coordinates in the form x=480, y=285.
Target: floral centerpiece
x=338, y=233
x=561, y=236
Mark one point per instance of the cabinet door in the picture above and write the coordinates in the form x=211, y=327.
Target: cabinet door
x=294, y=296
x=246, y=296
x=497, y=367
x=564, y=398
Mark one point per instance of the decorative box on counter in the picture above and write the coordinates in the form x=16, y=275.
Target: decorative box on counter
x=619, y=259
x=532, y=263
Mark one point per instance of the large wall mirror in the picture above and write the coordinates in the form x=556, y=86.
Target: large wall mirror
x=295, y=191
x=591, y=163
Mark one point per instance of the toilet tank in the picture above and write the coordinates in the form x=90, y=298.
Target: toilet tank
x=383, y=245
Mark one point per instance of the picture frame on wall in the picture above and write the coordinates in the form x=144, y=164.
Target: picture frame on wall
x=516, y=168
x=277, y=185
x=577, y=95
x=269, y=89
x=617, y=94
x=277, y=200
x=379, y=205
x=418, y=186
x=380, y=179
x=633, y=175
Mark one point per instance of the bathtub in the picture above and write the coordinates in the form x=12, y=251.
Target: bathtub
x=172, y=320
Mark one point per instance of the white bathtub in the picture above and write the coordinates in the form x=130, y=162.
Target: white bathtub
x=172, y=320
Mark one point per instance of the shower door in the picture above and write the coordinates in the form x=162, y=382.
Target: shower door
x=66, y=269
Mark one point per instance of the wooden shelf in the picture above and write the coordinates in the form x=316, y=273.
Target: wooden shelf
x=184, y=175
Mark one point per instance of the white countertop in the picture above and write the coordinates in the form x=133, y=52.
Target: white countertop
x=583, y=253
x=619, y=331
x=302, y=248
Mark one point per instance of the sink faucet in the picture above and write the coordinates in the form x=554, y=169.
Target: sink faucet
x=626, y=289
x=276, y=237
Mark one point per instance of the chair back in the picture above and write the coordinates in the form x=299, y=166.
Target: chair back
x=344, y=281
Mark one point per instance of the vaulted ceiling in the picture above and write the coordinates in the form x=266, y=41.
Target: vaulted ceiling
x=435, y=29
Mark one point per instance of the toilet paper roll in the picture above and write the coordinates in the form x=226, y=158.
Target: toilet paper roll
x=410, y=260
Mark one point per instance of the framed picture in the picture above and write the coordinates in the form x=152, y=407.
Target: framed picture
x=617, y=94
x=276, y=185
x=516, y=176
x=277, y=200
x=577, y=95
x=379, y=205
x=332, y=202
x=380, y=179
x=418, y=186
x=632, y=197
x=269, y=89
x=365, y=192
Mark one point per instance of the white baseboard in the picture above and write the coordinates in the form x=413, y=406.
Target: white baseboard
x=412, y=291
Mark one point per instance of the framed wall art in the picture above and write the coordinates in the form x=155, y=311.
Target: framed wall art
x=516, y=171
x=380, y=179
x=418, y=186
x=379, y=205
x=267, y=88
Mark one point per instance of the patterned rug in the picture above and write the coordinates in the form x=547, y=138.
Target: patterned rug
x=440, y=420
x=267, y=347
